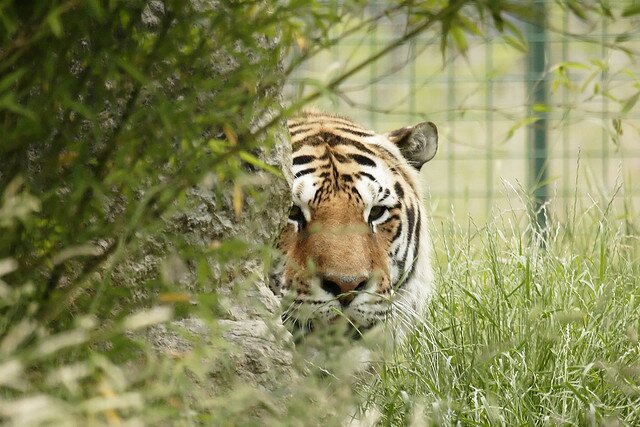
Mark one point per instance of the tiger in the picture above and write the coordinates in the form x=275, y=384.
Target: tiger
x=356, y=241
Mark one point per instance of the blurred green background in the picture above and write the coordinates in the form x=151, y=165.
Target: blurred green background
x=141, y=194
x=480, y=96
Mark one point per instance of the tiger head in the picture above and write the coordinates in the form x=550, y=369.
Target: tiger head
x=356, y=243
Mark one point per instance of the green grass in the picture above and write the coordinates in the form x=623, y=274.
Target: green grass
x=521, y=331
x=524, y=332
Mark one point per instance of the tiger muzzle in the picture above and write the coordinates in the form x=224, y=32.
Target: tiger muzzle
x=343, y=287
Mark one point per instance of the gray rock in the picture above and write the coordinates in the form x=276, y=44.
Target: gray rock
x=257, y=348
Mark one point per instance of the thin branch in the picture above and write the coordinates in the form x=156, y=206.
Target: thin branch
x=332, y=42
x=452, y=9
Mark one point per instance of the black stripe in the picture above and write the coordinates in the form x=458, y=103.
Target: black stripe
x=317, y=196
x=411, y=219
x=355, y=190
x=339, y=157
x=391, y=217
x=361, y=147
x=304, y=172
x=399, y=191
x=414, y=241
x=326, y=120
x=363, y=160
x=368, y=175
x=310, y=140
x=332, y=140
x=387, y=152
x=416, y=246
x=354, y=132
x=401, y=265
x=297, y=131
x=300, y=160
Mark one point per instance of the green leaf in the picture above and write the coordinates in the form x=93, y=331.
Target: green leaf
x=54, y=23
x=632, y=9
x=520, y=124
x=10, y=25
x=571, y=65
x=132, y=71
x=578, y=10
x=125, y=17
x=79, y=108
x=470, y=26
x=516, y=39
x=516, y=43
x=617, y=126
x=605, y=8
x=587, y=81
x=459, y=39
x=624, y=37
x=630, y=103
x=96, y=9
x=10, y=79
x=540, y=108
x=8, y=103
x=253, y=160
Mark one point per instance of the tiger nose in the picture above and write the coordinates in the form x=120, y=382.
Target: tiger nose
x=344, y=287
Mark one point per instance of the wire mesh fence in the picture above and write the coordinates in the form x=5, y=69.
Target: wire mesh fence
x=551, y=116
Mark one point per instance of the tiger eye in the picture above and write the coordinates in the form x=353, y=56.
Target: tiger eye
x=295, y=214
x=376, y=212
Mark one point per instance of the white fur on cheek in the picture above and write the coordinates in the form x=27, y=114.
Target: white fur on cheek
x=364, y=189
x=303, y=191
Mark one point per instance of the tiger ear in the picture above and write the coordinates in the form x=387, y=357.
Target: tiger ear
x=418, y=144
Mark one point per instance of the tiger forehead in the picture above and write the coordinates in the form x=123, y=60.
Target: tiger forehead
x=313, y=124
x=339, y=141
x=337, y=169
x=311, y=119
x=328, y=133
x=336, y=158
x=342, y=184
x=340, y=145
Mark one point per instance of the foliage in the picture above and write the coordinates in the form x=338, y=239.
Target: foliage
x=113, y=114
x=525, y=332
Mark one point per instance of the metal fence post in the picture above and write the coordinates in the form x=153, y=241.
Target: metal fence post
x=537, y=89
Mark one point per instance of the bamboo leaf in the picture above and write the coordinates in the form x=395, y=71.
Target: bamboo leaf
x=470, y=26
x=230, y=134
x=8, y=103
x=253, y=160
x=516, y=43
x=631, y=10
x=516, y=38
x=617, y=126
x=11, y=78
x=520, y=124
x=132, y=71
x=96, y=9
x=570, y=65
x=238, y=199
x=578, y=10
x=460, y=39
x=53, y=19
x=630, y=103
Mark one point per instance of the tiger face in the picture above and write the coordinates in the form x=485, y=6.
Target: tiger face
x=356, y=243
